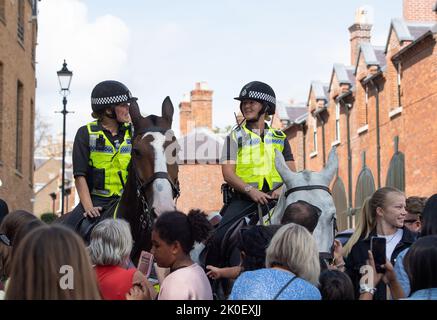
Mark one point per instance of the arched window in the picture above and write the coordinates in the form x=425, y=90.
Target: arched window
x=365, y=188
x=396, y=172
x=340, y=201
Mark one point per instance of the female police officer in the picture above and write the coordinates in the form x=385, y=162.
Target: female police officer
x=101, y=150
x=248, y=161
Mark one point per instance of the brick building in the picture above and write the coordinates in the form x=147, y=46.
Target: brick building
x=200, y=174
x=47, y=182
x=378, y=111
x=18, y=32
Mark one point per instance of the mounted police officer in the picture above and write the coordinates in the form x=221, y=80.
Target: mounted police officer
x=102, y=149
x=248, y=161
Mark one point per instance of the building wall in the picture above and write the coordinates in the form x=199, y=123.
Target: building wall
x=200, y=187
x=419, y=10
x=17, y=65
x=413, y=124
x=49, y=175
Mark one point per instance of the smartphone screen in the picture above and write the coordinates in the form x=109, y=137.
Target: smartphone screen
x=377, y=246
x=145, y=263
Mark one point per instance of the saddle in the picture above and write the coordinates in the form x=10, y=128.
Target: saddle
x=86, y=225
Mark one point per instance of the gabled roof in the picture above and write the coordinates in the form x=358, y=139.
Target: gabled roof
x=200, y=146
x=429, y=31
x=373, y=56
x=296, y=111
x=408, y=31
x=298, y=121
x=345, y=75
x=320, y=90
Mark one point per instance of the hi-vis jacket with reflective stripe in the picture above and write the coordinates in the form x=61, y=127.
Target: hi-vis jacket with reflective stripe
x=256, y=158
x=106, y=161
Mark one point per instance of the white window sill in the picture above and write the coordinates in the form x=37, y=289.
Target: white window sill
x=335, y=143
x=313, y=154
x=363, y=129
x=395, y=112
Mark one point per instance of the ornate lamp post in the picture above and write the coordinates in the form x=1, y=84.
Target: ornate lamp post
x=64, y=76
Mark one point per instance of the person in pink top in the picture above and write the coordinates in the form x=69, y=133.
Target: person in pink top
x=173, y=238
x=110, y=248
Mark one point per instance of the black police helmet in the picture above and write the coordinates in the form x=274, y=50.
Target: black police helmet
x=109, y=93
x=261, y=92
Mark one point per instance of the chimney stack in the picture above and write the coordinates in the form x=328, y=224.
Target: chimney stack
x=184, y=115
x=195, y=110
x=201, y=105
x=360, y=31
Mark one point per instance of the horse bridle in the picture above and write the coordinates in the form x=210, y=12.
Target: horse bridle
x=314, y=187
x=147, y=215
x=304, y=188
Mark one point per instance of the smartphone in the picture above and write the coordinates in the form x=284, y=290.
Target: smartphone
x=145, y=263
x=377, y=246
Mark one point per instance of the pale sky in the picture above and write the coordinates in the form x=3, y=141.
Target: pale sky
x=160, y=48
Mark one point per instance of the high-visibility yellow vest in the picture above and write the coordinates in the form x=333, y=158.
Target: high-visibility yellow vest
x=256, y=158
x=106, y=161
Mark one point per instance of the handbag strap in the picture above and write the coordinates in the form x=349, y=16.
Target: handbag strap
x=284, y=287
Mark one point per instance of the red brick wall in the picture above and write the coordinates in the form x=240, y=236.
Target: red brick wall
x=419, y=119
x=419, y=10
x=200, y=187
x=17, y=64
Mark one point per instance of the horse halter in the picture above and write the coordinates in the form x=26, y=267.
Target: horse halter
x=303, y=188
x=147, y=215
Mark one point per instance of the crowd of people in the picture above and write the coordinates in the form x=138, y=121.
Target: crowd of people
x=269, y=262
x=277, y=261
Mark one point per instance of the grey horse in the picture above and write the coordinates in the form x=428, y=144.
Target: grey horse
x=317, y=195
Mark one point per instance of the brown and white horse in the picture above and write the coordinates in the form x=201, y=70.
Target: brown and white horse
x=152, y=184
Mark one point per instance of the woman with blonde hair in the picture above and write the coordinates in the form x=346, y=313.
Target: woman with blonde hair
x=382, y=215
x=291, y=273
x=51, y=263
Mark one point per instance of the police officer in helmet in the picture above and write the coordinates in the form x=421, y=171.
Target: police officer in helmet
x=101, y=149
x=248, y=158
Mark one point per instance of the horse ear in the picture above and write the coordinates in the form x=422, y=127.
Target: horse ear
x=167, y=110
x=134, y=111
x=331, y=167
x=284, y=171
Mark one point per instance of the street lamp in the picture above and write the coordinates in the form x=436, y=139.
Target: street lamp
x=64, y=76
x=53, y=196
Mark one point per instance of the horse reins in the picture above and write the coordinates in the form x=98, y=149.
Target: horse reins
x=146, y=218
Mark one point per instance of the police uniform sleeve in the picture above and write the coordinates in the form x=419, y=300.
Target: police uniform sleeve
x=81, y=152
x=288, y=155
x=229, y=151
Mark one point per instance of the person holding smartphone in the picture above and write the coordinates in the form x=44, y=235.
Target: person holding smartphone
x=383, y=216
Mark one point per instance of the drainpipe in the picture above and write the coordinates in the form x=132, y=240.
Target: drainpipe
x=304, y=135
x=323, y=138
x=378, y=133
x=398, y=69
x=349, y=162
x=349, y=155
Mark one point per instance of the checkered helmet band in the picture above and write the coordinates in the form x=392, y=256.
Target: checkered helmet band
x=112, y=100
x=262, y=96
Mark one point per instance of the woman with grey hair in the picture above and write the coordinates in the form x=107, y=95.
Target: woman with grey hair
x=292, y=272
x=110, y=248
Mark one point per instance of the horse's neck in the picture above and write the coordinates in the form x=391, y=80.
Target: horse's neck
x=128, y=205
